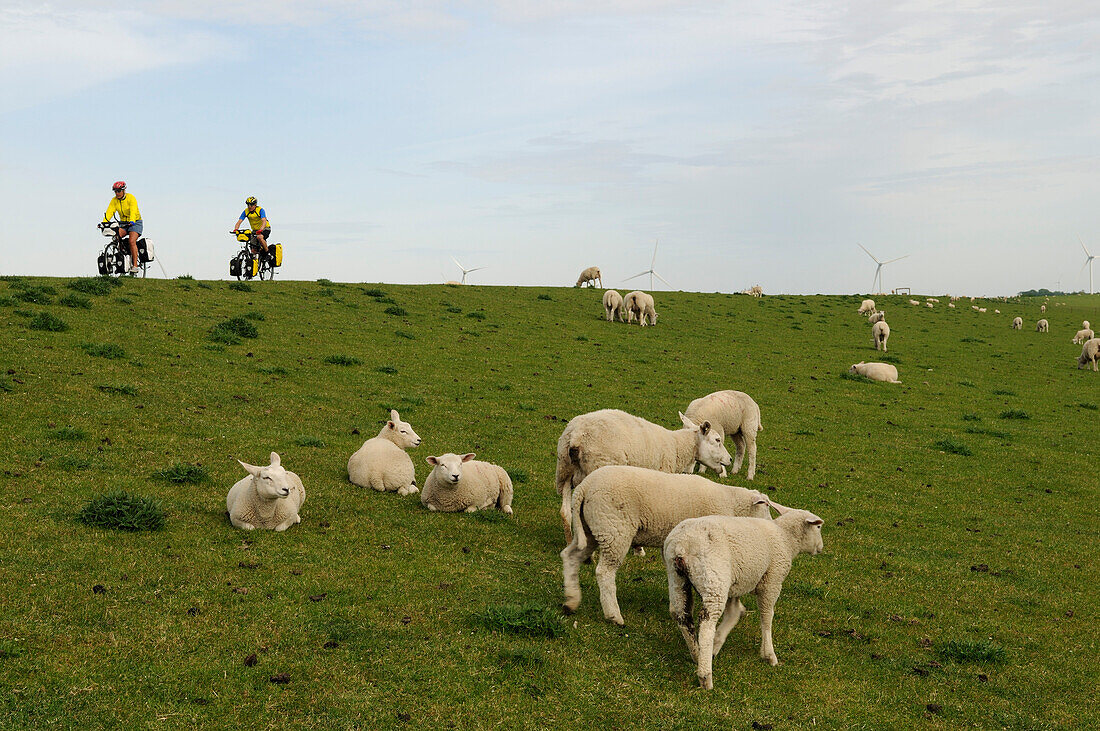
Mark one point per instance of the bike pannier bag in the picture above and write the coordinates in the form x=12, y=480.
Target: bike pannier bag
x=234, y=267
x=255, y=266
x=119, y=264
x=145, y=251
x=278, y=255
x=102, y=261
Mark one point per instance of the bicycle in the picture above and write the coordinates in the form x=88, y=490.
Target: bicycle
x=115, y=258
x=250, y=262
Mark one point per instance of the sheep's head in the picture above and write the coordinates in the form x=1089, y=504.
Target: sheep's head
x=449, y=466
x=806, y=527
x=710, y=446
x=271, y=482
x=855, y=368
x=760, y=506
x=400, y=432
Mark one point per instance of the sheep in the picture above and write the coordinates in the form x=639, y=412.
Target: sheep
x=1043, y=309
x=951, y=305
x=1017, y=323
x=756, y=290
x=914, y=303
x=269, y=498
x=876, y=371
x=974, y=307
x=1042, y=326
x=738, y=416
x=589, y=277
x=381, y=463
x=877, y=317
x=867, y=307
x=613, y=305
x=1090, y=352
x=929, y=305
x=458, y=484
x=880, y=333
x=631, y=306
x=725, y=558
x=1083, y=335
x=981, y=309
x=613, y=437
x=618, y=506
x=1085, y=325
x=996, y=312
x=640, y=305
x=932, y=299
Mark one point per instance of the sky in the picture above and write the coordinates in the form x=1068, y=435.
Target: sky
x=751, y=143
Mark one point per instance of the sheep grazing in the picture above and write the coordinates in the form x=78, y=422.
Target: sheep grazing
x=612, y=437
x=382, y=464
x=1083, y=335
x=1043, y=309
x=618, y=507
x=640, y=305
x=630, y=304
x=877, y=317
x=756, y=290
x=884, y=372
x=974, y=307
x=738, y=417
x=951, y=305
x=880, y=333
x=1017, y=323
x=1090, y=352
x=981, y=309
x=914, y=303
x=1042, y=326
x=931, y=299
x=724, y=559
x=867, y=307
x=613, y=306
x=457, y=484
x=590, y=277
x=929, y=305
x=269, y=498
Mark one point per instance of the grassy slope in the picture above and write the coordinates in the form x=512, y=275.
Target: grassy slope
x=905, y=522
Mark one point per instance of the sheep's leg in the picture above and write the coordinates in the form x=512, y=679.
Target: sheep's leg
x=739, y=458
x=571, y=559
x=567, y=511
x=733, y=613
x=750, y=455
x=708, y=620
x=606, y=569
x=286, y=524
x=766, y=600
x=680, y=599
x=238, y=523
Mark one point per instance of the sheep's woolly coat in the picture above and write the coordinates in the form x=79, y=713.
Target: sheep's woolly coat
x=867, y=307
x=269, y=498
x=480, y=485
x=884, y=372
x=640, y=305
x=613, y=306
x=878, y=316
x=618, y=507
x=1082, y=336
x=1042, y=326
x=1090, y=353
x=589, y=276
x=738, y=416
x=880, y=333
x=1017, y=323
x=382, y=464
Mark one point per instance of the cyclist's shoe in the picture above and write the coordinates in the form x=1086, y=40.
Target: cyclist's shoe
x=134, y=270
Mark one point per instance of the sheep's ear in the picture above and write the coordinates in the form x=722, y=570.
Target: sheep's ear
x=467, y=457
x=394, y=416
x=688, y=423
x=250, y=468
x=781, y=509
x=274, y=459
x=431, y=460
x=814, y=520
x=705, y=427
x=391, y=424
x=761, y=499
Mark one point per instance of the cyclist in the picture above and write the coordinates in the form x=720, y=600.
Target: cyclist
x=129, y=219
x=257, y=219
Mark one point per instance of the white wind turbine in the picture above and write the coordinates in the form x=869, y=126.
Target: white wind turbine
x=651, y=271
x=1088, y=262
x=878, y=269
x=465, y=271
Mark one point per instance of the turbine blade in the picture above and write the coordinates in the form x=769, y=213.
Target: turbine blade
x=868, y=253
x=459, y=265
x=476, y=269
x=1087, y=261
x=653, y=262
x=640, y=274
x=1083, y=246
x=898, y=259
x=663, y=280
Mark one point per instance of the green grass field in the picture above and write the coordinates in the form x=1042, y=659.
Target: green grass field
x=957, y=587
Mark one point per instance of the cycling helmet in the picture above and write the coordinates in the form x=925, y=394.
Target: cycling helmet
x=249, y=201
x=119, y=185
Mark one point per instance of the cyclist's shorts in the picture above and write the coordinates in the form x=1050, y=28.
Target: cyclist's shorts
x=135, y=226
x=267, y=233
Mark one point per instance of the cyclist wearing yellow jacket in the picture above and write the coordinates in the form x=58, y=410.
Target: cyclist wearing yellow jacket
x=257, y=219
x=129, y=218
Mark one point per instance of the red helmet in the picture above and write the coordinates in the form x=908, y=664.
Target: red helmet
x=119, y=185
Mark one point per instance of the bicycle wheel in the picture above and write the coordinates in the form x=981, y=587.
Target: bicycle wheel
x=245, y=266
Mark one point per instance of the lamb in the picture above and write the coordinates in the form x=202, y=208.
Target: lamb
x=1083, y=335
x=877, y=317
x=381, y=463
x=613, y=437
x=1090, y=352
x=459, y=484
x=617, y=507
x=1042, y=326
x=880, y=333
x=640, y=305
x=876, y=371
x=738, y=416
x=1017, y=323
x=269, y=498
x=613, y=305
x=589, y=277
x=1043, y=309
x=914, y=303
x=725, y=558
x=867, y=307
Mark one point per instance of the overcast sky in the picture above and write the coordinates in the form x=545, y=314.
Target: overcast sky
x=758, y=143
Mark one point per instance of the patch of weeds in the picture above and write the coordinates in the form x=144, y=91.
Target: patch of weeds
x=240, y=286
x=374, y=292
x=545, y=298
x=491, y=516
x=185, y=276
x=971, y=417
x=518, y=476
x=385, y=300
x=972, y=651
x=855, y=377
x=104, y=350
x=581, y=338
x=1015, y=414
x=806, y=433
x=223, y=337
x=305, y=441
x=6, y=384
x=1003, y=392
x=386, y=369
x=272, y=370
x=327, y=292
x=967, y=384
x=48, y=322
x=9, y=650
x=7, y=302
x=68, y=462
x=531, y=620
x=203, y=285
x=324, y=282
x=395, y=310
x=123, y=511
x=949, y=445
x=123, y=390
x=889, y=358
x=476, y=315
x=412, y=400
x=124, y=301
x=76, y=302
x=183, y=474
x=987, y=432
x=342, y=360
x=236, y=327
x=98, y=286
x=67, y=434
x=403, y=334
x=36, y=295
x=253, y=315
x=23, y=313
x=1087, y=405
x=454, y=310
x=972, y=340
x=527, y=407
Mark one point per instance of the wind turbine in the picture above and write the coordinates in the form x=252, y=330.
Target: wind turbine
x=651, y=271
x=1088, y=262
x=878, y=269
x=465, y=271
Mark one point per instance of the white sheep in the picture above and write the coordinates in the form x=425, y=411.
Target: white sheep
x=613, y=437
x=914, y=303
x=724, y=558
x=1017, y=323
x=1083, y=335
x=1085, y=325
x=981, y=309
x=996, y=312
x=867, y=307
x=649, y=312
x=738, y=417
x=269, y=498
x=617, y=507
x=951, y=305
x=931, y=299
x=877, y=317
x=929, y=305
x=1090, y=352
x=630, y=304
x=1043, y=309
x=613, y=306
x=974, y=307
x=640, y=305
x=756, y=290
x=884, y=372
x=457, y=484
x=382, y=464
x=590, y=277
x=880, y=333
x=1042, y=326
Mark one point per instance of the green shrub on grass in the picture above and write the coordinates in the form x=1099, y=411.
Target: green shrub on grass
x=238, y=326
x=123, y=390
x=476, y=315
x=257, y=316
x=343, y=360
x=36, y=295
x=122, y=511
x=373, y=292
x=949, y=445
x=304, y=441
x=48, y=322
x=67, y=434
x=183, y=474
x=531, y=620
x=98, y=286
x=185, y=276
x=395, y=310
x=7, y=302
x=972, y=651
x=76, y=302
x=324, y=282
x=240, y=286
x=386, y=369
x=104, y=350
x=1015, y=414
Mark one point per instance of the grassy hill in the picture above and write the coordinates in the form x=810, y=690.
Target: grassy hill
x=957, y=587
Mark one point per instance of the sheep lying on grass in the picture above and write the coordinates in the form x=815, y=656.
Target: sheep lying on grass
x=914, y=303
x=738, y=417
x=724, y=559
x=1042, y=326
x=877, y=317
x=880, y=333
x=269, y=498
x=460, y=484
x=613, y=437
x=590, y=277
x=613, y=306
x=1090, y=352
x=1082, y=336
x=382, y=464
x=867, y=307
x=1017, y=323
x=884, y=372
x=618, y=507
